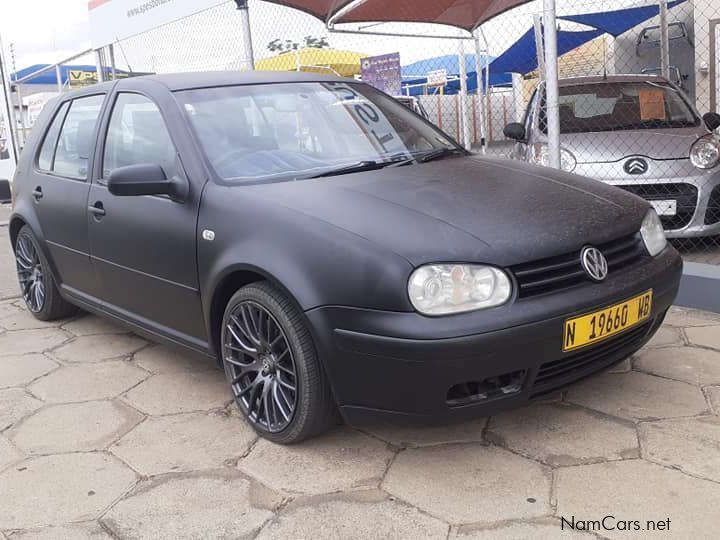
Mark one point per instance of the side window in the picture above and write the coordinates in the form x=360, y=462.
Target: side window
x=75, y=144
x=137, y=134
x=47, y=150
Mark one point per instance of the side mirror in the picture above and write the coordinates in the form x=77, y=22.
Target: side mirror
x=516, y=131
x=712, y=120
x=143, y=179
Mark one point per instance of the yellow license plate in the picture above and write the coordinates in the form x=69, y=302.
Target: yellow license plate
x=605, y=323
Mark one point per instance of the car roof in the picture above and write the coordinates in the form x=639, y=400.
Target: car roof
x=609, y=79
x=205, y=79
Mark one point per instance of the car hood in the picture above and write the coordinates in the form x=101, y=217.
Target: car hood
x=466, y=209
x=612, y=146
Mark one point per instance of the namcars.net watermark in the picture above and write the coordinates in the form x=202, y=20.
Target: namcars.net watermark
x=613, y=523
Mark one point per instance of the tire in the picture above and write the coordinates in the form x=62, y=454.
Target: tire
x=266, y=351
x=37, y=285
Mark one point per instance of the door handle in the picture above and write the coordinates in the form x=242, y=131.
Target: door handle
x=97, y=210
x=37, y=194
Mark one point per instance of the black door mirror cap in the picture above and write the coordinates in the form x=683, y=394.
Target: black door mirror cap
x=145, y=179
x=712, y=120
x=515, y=131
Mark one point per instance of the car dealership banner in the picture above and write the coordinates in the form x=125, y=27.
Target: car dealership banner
x=383, y=72
x=113, y=20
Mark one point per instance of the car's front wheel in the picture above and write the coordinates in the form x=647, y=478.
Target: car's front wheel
x=37, y=286
x=272, y=366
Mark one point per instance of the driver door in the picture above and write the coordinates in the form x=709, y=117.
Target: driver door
x=143, y=247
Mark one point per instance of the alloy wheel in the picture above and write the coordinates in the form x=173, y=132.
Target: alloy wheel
x=261, y=367
x=30, y=274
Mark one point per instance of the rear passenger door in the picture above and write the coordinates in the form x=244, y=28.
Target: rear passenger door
x=60, y=186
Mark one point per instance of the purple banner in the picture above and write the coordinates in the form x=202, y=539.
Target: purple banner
x=383, y=72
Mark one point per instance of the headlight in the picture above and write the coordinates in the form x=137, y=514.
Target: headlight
x=540, y=155
x=653, y=234
x=443, y=289
x=705, y=152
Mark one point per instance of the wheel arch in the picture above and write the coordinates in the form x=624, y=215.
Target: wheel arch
x=228, y=284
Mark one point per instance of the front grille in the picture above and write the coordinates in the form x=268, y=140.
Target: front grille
x=685, y=195
x=712, y=215
x=556, y=371
x=565, y=271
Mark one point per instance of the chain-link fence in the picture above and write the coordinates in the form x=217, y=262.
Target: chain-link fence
x=635, y=80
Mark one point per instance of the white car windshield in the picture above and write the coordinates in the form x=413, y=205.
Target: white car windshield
x=618, y=106
x=286, y=131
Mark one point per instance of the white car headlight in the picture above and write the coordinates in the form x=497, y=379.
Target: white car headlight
x=705, y=152
x=540, y=155
x=444, y=289
x=653, y=234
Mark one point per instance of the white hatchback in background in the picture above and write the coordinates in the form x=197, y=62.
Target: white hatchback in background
x=640, y=133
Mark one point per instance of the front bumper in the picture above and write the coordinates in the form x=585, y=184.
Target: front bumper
x=696, y=192
x=392, y=365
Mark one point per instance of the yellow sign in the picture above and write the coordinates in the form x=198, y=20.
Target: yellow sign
x=78, y=77
x=605, y=323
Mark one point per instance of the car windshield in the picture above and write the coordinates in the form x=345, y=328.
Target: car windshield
x=614, y=106
x=288, y=131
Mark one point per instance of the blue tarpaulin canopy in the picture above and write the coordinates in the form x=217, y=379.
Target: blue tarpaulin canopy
x=521, y=57
x=415, y=75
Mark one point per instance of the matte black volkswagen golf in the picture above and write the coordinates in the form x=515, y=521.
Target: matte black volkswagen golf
x=333, y=250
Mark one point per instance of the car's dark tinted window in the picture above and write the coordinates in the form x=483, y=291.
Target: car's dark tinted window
x=137, y=134
x=296, y=130
x=75, y=143
x=47, y=150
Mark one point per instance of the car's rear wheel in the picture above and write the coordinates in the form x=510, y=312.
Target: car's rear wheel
x=272, y=366
x=37, y=286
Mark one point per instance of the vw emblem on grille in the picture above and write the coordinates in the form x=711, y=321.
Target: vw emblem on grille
x=594, y=263
x=636, y=166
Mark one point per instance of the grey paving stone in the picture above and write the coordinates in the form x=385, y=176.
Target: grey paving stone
x=665, y=337
x=21, y=319
x=30, y=341
x=622, y=367
x=21, y=370
x=90, y=325
x=691, y=445
x=9, y=454
x=696, y=366
x=95, y=348
x=356, y=518
x=685, y=318
x=545, y=528
x=406, y=436
x=161, y=359
x=705, y=336
x=638, y=396
x=638, y=490
x=342, y=459
x=560, y=435
x=713, y=394
x=195, y=507
x=169, y=393
x=470, y=483
x=85, y=382
x=15, y=403
x=74, y=427
x=51, y=490
x=79, y=531
x=185, y=442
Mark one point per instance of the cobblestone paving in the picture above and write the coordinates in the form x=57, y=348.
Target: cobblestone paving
x=103, y=435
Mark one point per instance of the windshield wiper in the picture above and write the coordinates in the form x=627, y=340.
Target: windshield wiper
x=439, y=153
x=360, y=166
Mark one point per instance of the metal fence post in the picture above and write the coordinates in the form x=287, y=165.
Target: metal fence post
x=242, y=6
x=551, y=79
x=664, y=40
